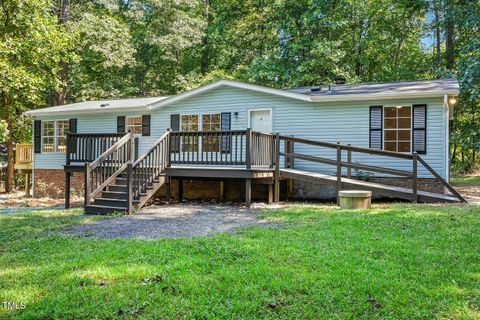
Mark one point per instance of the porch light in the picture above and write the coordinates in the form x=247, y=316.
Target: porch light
x=235, y=115
x=452, y=100
x=399, y=107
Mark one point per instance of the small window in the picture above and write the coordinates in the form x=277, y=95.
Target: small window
x=134, y=125
x=211, y=122
x=54, y=135
x=397, y=132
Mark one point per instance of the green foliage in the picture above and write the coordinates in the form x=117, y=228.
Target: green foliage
x=392, y=262
x=161, y=47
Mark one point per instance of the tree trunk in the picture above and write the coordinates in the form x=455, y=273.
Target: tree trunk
x=449, y=37
x=10, y=184
x=436, y=11
x=454, y=153
x=61, y=94
x=205, y=46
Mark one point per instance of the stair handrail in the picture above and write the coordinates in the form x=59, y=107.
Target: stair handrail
x=349, y=148
x=109, y=165
x=149, y=166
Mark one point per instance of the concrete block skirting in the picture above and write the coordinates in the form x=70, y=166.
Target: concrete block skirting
x=309, y=190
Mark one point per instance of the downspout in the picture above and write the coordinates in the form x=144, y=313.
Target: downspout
x=447, y=138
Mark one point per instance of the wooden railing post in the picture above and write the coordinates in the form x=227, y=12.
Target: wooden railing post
x=349, y=162
x=129, y=187
x=248, y=151
x=276, y=183
x=168, y=148
x=414, y=177
x=87, y=184
x=339, y=171
x=69, y=148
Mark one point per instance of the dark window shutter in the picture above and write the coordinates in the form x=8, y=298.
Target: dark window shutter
x=72, y=129
x=146, y=125
x=225, y=126
x=376, y=115
x=37, y=136
x=419, y=136
x=121, y=124
x=175, y=126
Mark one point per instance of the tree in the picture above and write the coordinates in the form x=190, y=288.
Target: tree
x=30, y=49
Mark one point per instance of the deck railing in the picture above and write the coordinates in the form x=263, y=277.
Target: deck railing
x=23, y=153
x=87, y=147
x=222, y=148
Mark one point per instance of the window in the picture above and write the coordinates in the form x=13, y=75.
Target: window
x=62, y=130
x=189, y=123
x=211, y=122
x=54, y=135
x=134, y=125
x=397, y=132
x=48, y=136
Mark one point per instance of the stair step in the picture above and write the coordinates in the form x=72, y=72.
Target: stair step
x=99, y=209
x=121, y=203
x=114, y=194
x=116, y=187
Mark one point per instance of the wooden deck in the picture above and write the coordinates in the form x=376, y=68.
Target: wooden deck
x=117, y=177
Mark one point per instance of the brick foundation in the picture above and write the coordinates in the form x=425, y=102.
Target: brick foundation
x=51, y=183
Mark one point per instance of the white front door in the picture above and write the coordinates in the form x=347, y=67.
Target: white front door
x=261, y=120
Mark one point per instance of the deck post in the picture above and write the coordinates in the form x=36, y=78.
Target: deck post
x=67, y=174
x=339, y=171
x=248, y=140
x=414, y=177
x=168, y=188
x=222, y=190
x=129, y=187
x=180, y=190
x=67, y=190
x=87, y=184
x=270, y=193
x=248, y=192
x=277, y=169
x=349, y=162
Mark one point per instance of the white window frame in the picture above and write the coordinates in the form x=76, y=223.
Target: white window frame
x=270, y=110
x=199, y=124
x=141, y=123
x=55, y=135
x=411, y=126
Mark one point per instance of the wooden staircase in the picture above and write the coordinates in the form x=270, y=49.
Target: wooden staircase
x=121, y=185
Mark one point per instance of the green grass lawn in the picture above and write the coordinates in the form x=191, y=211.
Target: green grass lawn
x=468, y=180
x=396, y=261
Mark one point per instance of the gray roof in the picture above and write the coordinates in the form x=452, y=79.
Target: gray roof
x=398, y=87
x=99, y=105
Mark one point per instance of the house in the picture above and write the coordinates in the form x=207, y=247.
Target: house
x=387, y=125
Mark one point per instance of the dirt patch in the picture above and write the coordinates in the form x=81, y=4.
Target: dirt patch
x=470, y=192
x=19, y=200
x=172, y=221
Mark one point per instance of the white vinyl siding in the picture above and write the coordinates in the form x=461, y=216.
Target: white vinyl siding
x=345, y=122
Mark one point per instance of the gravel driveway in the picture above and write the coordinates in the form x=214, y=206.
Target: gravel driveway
x=171, y=221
